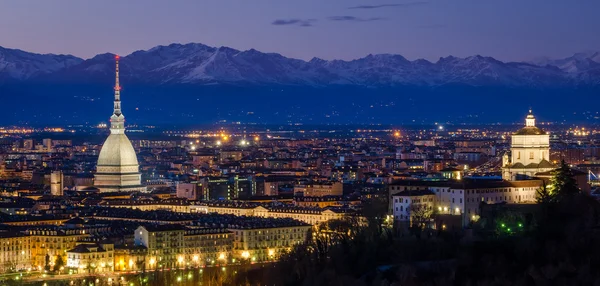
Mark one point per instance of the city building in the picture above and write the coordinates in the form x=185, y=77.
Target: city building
x=413, y=207
x=529, y=152
x=164, y=244
x=319, y=189
x=188, y=191
x=267, y=240
x=207, y=246
x=309, y=215
x=50, y=244
x=176, y=246
x=117, y=168
x=91, y=258
x=462, y=198
x=172, y=204
x=15, y=252
x=56, y=183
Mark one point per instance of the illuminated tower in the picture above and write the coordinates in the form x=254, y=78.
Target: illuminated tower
x=117, y=169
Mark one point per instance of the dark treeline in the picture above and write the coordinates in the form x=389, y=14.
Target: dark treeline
x=560, y=246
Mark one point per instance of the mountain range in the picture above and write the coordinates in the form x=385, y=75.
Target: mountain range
x=197, y=84
x=198, y=64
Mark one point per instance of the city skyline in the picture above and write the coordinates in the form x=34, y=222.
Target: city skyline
x=414, y=29
x=299, y=142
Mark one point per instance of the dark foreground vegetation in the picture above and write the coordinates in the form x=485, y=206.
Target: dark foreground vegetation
x=559, y=246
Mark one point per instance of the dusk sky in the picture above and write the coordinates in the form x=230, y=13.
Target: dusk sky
x=329, y=29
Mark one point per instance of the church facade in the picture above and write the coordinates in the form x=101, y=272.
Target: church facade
x=529, y=152
x=117, y=169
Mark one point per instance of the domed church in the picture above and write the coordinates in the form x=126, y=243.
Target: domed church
x=117, y=169
x=529, y=152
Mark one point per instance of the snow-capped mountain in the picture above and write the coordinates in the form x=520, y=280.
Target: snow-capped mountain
x=201, y=64
x=20, y=65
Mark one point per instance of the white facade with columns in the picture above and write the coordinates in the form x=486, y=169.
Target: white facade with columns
x=529, y=152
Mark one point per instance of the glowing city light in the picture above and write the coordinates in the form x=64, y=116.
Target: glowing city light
x=245, y=254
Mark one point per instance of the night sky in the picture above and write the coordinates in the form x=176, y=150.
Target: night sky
x=329, y=29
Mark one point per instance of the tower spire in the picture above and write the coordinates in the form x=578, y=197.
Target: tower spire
x=117, y=105
x=117, y=120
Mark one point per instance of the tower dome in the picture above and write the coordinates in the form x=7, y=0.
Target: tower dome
x=117, y=151
x=530, y=128
x=117, y=168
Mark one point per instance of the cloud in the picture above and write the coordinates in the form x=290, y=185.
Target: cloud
x=293, y=22
x=353, y=19
x=398, y=5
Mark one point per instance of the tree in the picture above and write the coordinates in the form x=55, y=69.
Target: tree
x=47, y=263
x=375, y=211
x=420, y=215
x=59, y=263
x=545, y=195
x=563, y=182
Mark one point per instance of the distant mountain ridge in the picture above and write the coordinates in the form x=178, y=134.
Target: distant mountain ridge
x=205, y=65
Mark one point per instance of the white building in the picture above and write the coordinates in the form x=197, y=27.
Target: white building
x=91, y=258
x=405, y=205
x=461, y=197
x=529, y=152
x=117, y=168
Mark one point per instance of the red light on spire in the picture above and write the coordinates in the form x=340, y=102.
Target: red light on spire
x=116, y=57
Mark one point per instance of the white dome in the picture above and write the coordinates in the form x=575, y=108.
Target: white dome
x=117, y=151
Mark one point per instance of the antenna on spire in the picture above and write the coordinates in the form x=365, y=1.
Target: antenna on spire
x=117, y=86
x=117, y=105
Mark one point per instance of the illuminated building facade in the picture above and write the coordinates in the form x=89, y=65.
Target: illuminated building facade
x=53, y=243
x=310, y=215
x=406, y=205
x=320, y=189
x=267, y=243
x=15, y=252
x=175, y=246
x=117, y=168
x=462, y=198
x=529, y=152
x=91, y=258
